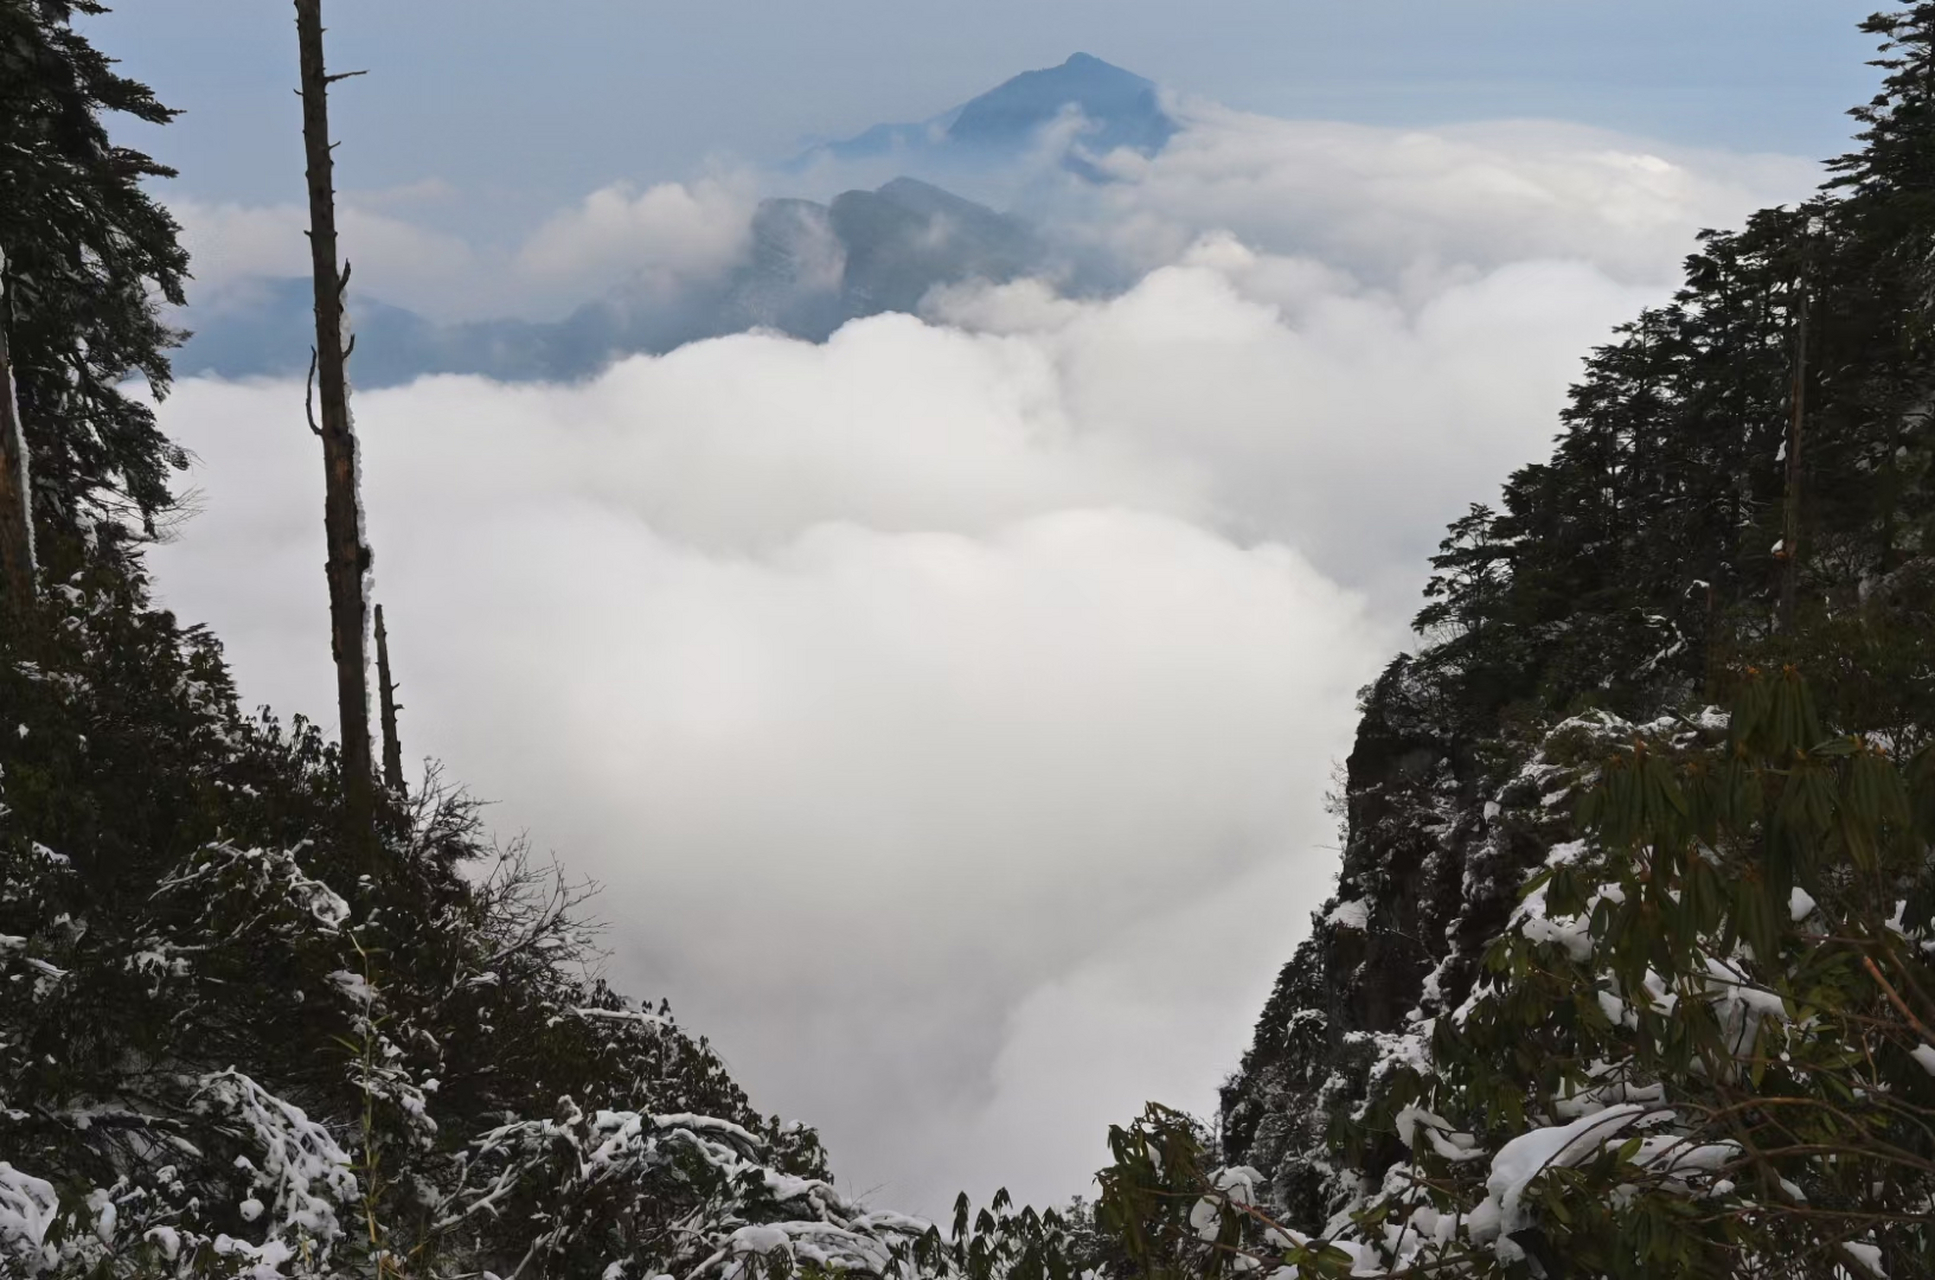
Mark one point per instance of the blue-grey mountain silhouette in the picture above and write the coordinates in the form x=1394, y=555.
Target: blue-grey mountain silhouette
x=1117, y=108
x=810, y=268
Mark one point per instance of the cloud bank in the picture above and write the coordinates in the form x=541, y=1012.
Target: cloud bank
x=947, y=706
x=230, y=245
x=913, y=693
x=866, y=801
x=1413, y=207
x=1404, y=211
x=669, y=234
x=662, y=237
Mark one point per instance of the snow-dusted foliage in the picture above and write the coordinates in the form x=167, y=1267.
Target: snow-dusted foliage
x=1614, y=983
x=1698, y=1045
x=717, y=1206
x=227, y=1050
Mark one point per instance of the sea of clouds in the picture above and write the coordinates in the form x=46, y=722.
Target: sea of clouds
x=947, y=708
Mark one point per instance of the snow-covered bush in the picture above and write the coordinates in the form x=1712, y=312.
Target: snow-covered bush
x=227, y=1050
x=1701, y=1046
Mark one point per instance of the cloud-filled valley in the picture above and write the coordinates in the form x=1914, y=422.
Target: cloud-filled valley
x=947, y=706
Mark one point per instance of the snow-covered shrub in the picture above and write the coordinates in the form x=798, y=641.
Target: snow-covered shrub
x=1701, y=1045
x=228, y=1050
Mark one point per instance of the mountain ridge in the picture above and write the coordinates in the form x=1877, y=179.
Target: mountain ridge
x=1120, y=108
x=810, y=268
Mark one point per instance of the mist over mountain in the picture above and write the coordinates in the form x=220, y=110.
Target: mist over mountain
x=808, y=267
x=1109, y=108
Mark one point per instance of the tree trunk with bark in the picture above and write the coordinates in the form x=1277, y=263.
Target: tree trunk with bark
x=16, y=496
x=349, y=556
x=386, y=702
x=1790, y=538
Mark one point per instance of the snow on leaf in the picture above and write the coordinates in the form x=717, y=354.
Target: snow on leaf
x=1354, y=914
x=1869, y=1256
x=1530, y=1154
x=28, y=1207
x=300, y=1163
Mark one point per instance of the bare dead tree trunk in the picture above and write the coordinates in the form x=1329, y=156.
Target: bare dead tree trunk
x=1790, y=538
x=386, y=701
x=349, y=556
x=16, y=490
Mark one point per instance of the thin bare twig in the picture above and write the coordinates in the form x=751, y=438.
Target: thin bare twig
x=309, y=394
x=1894, y=998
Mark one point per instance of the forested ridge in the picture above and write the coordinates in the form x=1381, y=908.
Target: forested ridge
x=1737, y=513
x=1627, y=973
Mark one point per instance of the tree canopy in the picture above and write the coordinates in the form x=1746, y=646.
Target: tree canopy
x=90, y=255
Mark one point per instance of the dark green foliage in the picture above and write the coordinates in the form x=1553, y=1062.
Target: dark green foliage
x=1700, y=1047
x=180, y=921
x=88, y=252
x=1618, y=588
x=1781, y=1045
x=1632, y=565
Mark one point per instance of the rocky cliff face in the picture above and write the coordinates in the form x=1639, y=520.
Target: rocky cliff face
x=1741, y=483
x=1444, y=825
x=1415, y=897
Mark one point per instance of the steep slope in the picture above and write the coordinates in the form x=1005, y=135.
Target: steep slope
x=1642, y=573
x=908, y=237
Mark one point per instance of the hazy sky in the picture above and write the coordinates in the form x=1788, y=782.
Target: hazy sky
x=947, y=707
x=522, y=107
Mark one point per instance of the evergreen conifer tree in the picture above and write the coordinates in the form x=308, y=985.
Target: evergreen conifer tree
x=88, y=254
x=1526, y=962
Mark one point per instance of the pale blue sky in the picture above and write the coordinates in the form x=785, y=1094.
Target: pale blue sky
x=529, y=106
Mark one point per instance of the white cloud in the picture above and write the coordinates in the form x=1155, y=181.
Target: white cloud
x=907, y=689
x=1132, y=1024
x=230, y=244
x=927, y=698
x=1297, y=405
x=860, y=795
x=1410, y=206
x=747, y=442
x=666, y=234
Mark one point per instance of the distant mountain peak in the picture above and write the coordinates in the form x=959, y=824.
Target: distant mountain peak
x=1120, y=108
